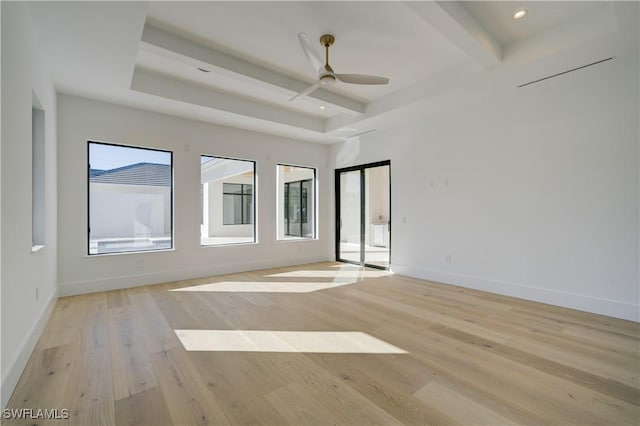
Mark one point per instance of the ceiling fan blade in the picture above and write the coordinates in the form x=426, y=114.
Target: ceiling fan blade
x=311, y=52
x=361, y=79
x=306, y=91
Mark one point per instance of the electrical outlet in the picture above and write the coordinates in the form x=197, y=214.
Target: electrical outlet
x=449, y=258
x=37, y=293
x=404, y=220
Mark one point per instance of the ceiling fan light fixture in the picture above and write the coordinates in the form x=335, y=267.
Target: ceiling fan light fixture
x=520, y=14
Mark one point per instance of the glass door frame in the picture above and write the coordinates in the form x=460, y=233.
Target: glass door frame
x=361, y=168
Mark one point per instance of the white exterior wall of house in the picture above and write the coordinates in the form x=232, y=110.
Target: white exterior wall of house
x=125, y=211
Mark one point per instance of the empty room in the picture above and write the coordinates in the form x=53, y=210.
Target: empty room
x=320, y=213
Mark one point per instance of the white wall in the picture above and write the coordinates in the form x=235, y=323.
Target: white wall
x=81, y=120
x=24, y=315
x=534, y=194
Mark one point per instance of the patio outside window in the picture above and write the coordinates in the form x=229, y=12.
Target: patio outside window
x=228, y=201
x=296, y=198
x=130, y=199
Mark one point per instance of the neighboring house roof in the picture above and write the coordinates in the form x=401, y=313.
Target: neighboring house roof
x=148, y=174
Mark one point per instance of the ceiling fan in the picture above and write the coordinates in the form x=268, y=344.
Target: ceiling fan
x=326, y=75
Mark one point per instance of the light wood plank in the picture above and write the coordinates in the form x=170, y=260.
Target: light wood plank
x=131, y=368
x=298, y=407
x=45, y=378
x=349, y=405
x=89, y=396
x=146, y=408
x=117, y=299
x=235, y=392
x=384, y=384
x=188, y=398
x=150, y=324
x=607, y=339
x=464, y=410
x=435, y=317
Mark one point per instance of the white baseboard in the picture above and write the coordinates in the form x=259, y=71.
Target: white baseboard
x=581, y=302
x=12, y=374
x=129, y=281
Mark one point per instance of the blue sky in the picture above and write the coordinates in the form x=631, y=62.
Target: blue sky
x=106, y=157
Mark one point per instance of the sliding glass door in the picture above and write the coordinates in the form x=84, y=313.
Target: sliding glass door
x=363, y=215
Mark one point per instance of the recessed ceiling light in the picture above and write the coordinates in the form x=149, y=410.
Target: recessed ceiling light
x=520, y=14
x=203, y=70
x=322, y=107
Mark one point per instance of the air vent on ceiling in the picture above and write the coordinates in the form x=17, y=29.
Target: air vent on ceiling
x=565, y=72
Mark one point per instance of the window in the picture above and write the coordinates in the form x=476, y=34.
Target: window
x=228, y=201
x=130, y=199
x=237, y=203
x=296, y=204
x=296, y=195
x=37, y=174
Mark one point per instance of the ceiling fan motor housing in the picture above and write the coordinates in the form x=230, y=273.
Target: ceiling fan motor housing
x=327, y=79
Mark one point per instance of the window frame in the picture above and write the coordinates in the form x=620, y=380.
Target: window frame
x=254, y=195
x=88, y=181
x=314, y=190
x=303, y=195
x=242, y=195
x=38, y=174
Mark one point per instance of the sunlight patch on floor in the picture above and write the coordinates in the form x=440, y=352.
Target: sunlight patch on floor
x=338, y=342
x=347, y=273
x=263, y=286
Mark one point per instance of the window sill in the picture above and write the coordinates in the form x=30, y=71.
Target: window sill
x=254, y=243
x=295, y=239
x=36, y=248
x=88, y=256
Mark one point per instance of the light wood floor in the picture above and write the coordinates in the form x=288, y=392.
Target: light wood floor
x=473, y=358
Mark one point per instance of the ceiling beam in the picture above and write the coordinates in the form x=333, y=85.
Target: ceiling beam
x=171, y=46
x=460, y=28
x=170, y=88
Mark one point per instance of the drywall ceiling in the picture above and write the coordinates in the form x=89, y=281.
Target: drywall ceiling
x=383, y=38
x=436, y=54
x=496, y=16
